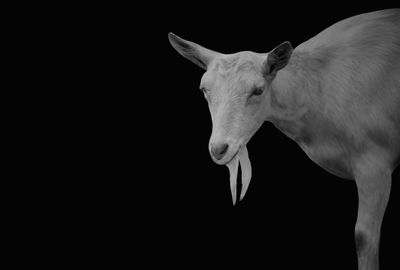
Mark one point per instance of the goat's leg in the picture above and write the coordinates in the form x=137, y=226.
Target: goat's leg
x=373, y=184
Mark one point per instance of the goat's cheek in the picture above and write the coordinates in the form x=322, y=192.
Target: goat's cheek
x=251, y=109
x=249, y=121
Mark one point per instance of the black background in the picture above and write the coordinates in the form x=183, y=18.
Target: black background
x=130, y=177
x=294, y=215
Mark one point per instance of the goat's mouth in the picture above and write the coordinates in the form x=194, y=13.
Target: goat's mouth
x=226, y=162
x=234, y=150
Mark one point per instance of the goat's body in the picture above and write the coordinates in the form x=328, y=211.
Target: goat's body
x=339, y=99
x=347, y=80
x=337, y=95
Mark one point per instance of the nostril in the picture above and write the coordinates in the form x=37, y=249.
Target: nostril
x=219, y=150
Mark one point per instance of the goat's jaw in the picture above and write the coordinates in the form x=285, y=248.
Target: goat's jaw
x=241, y=157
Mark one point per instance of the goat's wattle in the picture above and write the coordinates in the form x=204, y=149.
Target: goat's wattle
x=243, y=158
x=233, y=171
x=245, y=167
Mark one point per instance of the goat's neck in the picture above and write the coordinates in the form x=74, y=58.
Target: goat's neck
x=291, y=95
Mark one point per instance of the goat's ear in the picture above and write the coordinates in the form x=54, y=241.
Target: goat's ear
x=278, y=58
x=192, y=51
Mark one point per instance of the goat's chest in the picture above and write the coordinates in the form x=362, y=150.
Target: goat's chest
x=332, y=156
x=324, y=143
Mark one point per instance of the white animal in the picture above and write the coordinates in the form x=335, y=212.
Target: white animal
x=337, y=95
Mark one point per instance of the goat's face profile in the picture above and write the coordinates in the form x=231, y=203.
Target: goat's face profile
x=236, y=87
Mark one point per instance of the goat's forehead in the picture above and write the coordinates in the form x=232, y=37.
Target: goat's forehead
x=236, y=63
x=244, y=65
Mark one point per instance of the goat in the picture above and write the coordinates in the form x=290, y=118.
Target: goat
x=337, y=95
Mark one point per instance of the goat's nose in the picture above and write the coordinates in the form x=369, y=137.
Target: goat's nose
x=219, y=150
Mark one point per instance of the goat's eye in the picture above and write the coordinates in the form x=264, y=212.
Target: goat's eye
x=257, y=92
